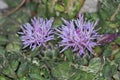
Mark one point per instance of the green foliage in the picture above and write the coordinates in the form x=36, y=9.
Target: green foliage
x=48, y=63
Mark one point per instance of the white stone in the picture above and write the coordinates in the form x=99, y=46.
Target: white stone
x=3, y=5
x=90, y=6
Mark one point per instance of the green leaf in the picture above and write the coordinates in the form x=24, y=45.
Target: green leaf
x=11, y=47
x=108, y=70
x=94, y=66
x=69, y=54
x=22, y=78
x=117, y=57
x=2, y=51
x=113, y=25
x=107, y=52
x=3, y=40
x=6, y=71
x=62, y=71
x=118, y=40
x=59, y=8
x=36, y=77
x=14, y=64
x=32, y=5
x=2, y=78
x=23, y=70
x=84, y=61
x=98, y=51
x=81, y=75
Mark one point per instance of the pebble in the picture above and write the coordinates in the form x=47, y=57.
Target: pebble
x=3, y=6
x=90, y=6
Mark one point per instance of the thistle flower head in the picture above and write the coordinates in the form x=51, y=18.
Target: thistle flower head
x=78, y=34
x=38, y=33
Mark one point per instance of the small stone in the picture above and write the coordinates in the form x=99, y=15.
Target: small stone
x=3, y=5
x=90, y=6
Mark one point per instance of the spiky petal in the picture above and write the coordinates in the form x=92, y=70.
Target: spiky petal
x=38, y=33
x=78, y=34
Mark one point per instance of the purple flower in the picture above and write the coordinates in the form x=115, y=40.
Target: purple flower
x=38, y=33
x=78, y=34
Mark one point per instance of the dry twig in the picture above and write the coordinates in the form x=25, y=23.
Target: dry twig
x=14, y=10
x=112, y=18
